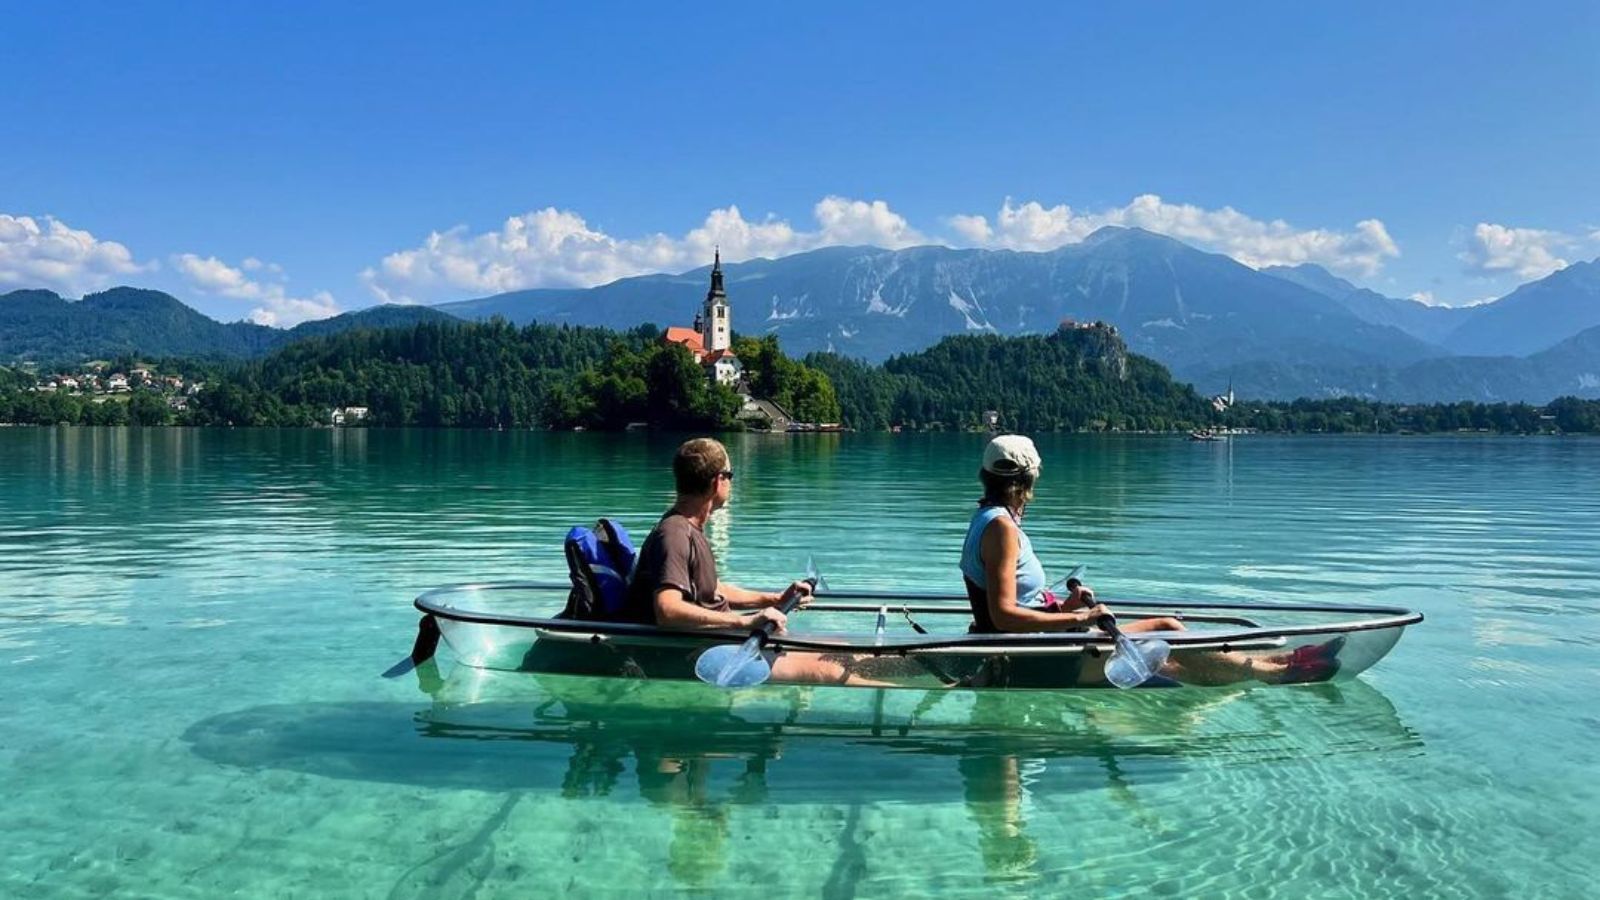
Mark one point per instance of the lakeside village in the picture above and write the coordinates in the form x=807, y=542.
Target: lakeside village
x=100, y=382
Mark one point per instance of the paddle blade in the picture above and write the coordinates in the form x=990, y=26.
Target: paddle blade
x=1132, y=664
x=733, y=665
x=818, y=583
x=422, y=649
x=1059, y=588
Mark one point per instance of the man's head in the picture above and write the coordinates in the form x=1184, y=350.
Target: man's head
x=700, y=469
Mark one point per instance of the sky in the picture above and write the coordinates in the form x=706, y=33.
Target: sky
x=280, y=161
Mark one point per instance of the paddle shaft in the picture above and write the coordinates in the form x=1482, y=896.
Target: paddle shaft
x=749, y=650
x=765, y=629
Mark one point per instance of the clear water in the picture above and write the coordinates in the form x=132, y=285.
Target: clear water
x=194, y=623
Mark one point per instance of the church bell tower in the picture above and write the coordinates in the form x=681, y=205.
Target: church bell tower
x=716, y=318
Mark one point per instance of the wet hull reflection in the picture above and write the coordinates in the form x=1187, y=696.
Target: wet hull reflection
x=500, y=731
x=700, y=753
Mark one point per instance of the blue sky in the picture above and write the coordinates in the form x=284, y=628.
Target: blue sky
x=284, y=161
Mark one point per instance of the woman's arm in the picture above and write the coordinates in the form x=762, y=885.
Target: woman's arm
x=999, y=549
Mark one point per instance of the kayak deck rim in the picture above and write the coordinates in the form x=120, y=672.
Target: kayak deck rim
x=1362, y=618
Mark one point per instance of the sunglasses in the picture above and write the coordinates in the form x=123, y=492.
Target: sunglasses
x=726, y=473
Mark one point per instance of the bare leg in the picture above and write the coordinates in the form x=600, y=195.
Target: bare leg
x=813, y=668
x=1214, y=668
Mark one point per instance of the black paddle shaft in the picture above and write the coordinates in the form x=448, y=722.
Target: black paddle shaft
x=764, y=631
x=1107, y=622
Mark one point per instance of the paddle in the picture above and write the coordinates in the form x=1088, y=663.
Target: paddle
x=1132, y=663
x=421, y=650
x=742, y=665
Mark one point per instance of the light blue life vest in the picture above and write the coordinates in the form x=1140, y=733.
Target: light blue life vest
x=1031, y=582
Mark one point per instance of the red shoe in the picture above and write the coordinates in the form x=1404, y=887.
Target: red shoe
x=1314, y=662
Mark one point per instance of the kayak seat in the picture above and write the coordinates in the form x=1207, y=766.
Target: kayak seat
x=978, y=598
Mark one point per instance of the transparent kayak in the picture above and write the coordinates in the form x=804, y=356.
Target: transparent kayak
x=919, y=641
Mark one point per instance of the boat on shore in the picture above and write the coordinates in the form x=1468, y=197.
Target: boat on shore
x=916, y=640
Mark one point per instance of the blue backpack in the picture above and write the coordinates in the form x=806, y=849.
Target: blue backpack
x=599, y=561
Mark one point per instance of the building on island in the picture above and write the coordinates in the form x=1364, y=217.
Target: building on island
x=711, y=338
x=347, y=415
x=1223, y=402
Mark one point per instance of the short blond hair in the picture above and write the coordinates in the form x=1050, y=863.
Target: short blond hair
x=697, y=464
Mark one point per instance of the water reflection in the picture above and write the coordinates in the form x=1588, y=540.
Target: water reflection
x=701, y=755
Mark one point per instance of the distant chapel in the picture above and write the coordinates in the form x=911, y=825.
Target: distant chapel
x=711, y=338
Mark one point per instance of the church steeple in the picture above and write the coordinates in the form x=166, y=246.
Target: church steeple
x=716, y=278
x=715, y=318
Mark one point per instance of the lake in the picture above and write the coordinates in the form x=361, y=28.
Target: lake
x=195, y=622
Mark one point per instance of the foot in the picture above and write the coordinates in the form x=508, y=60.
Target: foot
x=1315, y=662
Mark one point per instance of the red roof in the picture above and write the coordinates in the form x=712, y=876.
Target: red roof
x=720, y=354
x=685, y=336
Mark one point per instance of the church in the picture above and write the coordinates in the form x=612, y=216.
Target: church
x=711, y=338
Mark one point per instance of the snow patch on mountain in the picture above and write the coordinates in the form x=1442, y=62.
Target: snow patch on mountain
x=967, y=308
x=778, y=315
x=875, y=304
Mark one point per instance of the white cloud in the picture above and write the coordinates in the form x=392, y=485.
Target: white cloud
x=274, y=305
x=558, y=248
x=47, y=253
x=1033, y=226
x=1529, y=253
x=286, y=312
x=1426, y=298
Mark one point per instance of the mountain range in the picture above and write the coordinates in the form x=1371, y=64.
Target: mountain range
x=41, y=325
x=1276, y=333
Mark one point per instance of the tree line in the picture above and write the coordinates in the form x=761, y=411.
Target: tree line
x=496, y=375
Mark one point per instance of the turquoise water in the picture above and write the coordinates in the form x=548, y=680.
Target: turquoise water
x=194, y=624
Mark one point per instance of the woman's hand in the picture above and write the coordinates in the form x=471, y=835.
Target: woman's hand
x=1092, y=614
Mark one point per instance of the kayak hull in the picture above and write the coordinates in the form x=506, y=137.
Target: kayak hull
x=498, y=626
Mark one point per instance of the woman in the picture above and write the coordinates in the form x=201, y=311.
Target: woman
x=1006, y=584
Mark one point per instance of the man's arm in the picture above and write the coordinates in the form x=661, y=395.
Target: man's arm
x=744, y=598
x=674, y=610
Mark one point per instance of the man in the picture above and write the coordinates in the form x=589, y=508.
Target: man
x=675, y=580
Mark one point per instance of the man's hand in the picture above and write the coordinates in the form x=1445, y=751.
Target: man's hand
x=800, y=588
x=779, y=621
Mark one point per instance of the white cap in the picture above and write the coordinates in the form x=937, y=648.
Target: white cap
x=1010, y=454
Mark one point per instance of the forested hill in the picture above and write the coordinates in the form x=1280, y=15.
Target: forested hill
x=41, y=326
x=1079, y=377
x=489, y=375
x=433, y=375
x=497, y=375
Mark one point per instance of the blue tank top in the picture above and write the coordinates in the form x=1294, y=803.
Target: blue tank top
x=1031, y=581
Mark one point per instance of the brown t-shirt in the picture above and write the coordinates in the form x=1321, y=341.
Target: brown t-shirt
x=675, y=555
